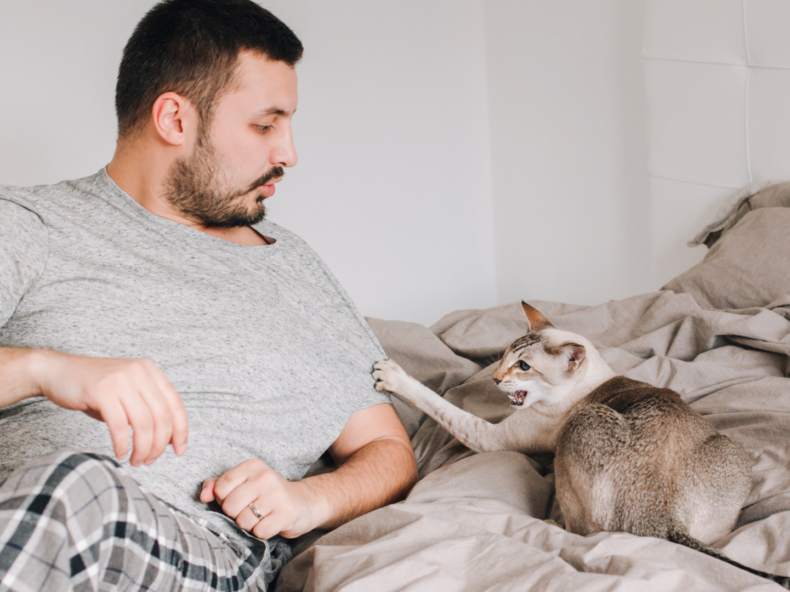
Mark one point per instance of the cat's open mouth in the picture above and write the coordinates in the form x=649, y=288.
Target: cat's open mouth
x=517, y=398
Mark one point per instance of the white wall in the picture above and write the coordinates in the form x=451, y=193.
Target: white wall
x=568, y=149
x=58, y=63
x=393, y=185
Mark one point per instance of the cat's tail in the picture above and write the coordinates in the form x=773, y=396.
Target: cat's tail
x=682, y=538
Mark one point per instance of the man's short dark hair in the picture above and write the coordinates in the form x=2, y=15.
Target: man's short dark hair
x=191, y=47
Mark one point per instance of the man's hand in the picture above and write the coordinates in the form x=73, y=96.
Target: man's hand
x=122, y=393
x=376, y=466
x=288, y=508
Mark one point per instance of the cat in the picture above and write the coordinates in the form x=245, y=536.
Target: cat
x=628, y=456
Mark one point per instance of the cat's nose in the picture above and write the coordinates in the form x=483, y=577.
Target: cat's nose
x=496, y=380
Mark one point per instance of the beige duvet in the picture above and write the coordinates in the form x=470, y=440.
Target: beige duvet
x=479, y=521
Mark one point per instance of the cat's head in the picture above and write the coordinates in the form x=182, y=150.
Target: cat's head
x=541, y=366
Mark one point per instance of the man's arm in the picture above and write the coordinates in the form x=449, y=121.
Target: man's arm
x=376, y=466
x=375, y=460
x=122, y=393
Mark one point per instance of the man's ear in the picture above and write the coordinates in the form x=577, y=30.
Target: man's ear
x=535, y=320
x=574, y=354
x=174, y=118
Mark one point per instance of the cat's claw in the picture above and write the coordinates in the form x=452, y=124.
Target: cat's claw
x=389, y=376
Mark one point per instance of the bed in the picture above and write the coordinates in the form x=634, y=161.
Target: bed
x=489, y=521
x=718, y=332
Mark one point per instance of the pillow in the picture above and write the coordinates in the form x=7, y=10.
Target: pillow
x=748, y=264
x=751, y=197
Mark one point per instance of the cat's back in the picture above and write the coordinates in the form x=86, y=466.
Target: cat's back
x=633, y=457
x=628, y=396
x=644, y=419
x=624, y=419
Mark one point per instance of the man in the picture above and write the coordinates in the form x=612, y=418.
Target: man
x=155, y=297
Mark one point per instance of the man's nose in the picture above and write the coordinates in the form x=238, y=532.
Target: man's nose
x=284, y=155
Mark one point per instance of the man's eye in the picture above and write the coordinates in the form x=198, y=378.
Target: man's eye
x=263, y=128
x=523, y=365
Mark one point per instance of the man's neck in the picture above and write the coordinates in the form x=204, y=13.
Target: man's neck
x=141, y=175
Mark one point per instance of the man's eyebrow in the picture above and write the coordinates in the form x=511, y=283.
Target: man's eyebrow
x=273, y=111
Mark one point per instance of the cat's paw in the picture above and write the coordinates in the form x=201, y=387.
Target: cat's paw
x=389, y=376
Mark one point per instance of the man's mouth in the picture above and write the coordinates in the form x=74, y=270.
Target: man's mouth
x=265, y=183
x=267, y=190
x=517, y=398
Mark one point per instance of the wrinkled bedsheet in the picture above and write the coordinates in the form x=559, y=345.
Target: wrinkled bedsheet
x=489, y=521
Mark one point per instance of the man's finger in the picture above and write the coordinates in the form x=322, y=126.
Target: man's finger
x=142, y=426
x=114, y=415
x=270, y=526
x=229, y=481
x=247, y=519
x=207, y=493
x=161, y=416
x=235, y=504
x=178, y=413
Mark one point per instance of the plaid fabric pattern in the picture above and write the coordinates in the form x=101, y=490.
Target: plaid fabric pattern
x=78, y=521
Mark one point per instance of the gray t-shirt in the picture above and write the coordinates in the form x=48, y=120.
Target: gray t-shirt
x=267, y=351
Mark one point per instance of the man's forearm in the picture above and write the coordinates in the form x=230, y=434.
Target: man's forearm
x=380, y=473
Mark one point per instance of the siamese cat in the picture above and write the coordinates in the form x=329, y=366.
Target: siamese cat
x=628, y=457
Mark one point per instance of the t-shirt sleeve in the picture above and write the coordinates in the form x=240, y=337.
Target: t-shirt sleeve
x=368, y=349
x=360, y=347
x=24, y=246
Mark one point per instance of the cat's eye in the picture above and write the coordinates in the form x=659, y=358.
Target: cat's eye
x=523, y=365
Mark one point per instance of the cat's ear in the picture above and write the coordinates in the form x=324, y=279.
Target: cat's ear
x=535, y=320
x=574, y=354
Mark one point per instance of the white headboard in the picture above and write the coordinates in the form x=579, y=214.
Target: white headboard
x=718, y=89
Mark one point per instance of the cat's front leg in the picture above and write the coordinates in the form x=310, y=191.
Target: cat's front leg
x=473, y=432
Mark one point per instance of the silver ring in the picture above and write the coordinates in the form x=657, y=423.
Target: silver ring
x=255, y=511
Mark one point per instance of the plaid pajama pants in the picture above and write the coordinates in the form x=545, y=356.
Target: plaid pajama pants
x=78, y=521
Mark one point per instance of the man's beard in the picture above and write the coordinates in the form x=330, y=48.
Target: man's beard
x=191, y=189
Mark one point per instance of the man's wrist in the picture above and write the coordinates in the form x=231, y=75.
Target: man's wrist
x=37, y=366
x=21, y=373
x=321, y=512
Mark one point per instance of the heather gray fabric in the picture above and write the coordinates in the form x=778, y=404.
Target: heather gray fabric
x=477, y=522
x=746, y=266
x=268, y=353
